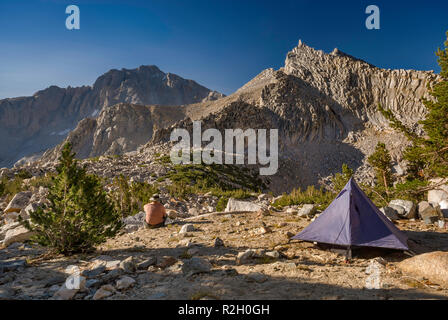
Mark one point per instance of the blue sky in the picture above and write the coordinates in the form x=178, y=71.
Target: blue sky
x=221, y=44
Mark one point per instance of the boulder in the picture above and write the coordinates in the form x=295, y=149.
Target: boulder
x=444, y=208
x=106, y=261
x=19, y=202
x=65, y=293
x=128, y=265
x=242, y=206
x=94, y=272
x=5, y=228
x=11, y=217
x=193, y=211
x=12, y=265
x=125, y=283
x=218, y=242
x=172, y=214
x=136, y=219
x=263, y=212
x=30, y=208
x=111, y=275
x=390, y=212
x=432, y=266
x=407, y=206
x=196, y=265
x=307, y=210
x=19, y=234
x=93, y=283
x=259, y=253
x=245, y=257
x=272, y=254
x=104, y=292
x=144, y=265
x=133, y=223
x=427, y=212
x=399, y=210
x=187, y=228
x=166, y=261
x=440, y=196
x=262, y=230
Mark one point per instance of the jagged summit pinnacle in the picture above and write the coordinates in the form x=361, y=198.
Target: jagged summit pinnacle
x=311, y=52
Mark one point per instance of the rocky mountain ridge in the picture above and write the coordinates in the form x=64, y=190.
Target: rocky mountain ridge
x=360, y=87
x=34, y=124
x=326, y=109
x=118, y=129
x=324, y=105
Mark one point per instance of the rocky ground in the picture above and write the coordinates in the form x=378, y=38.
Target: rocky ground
x=219, y=256
x=204, y=254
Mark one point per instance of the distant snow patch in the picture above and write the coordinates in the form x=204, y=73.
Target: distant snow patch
x=60, y=133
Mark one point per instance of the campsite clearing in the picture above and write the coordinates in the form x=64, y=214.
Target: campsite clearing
x=301, y=272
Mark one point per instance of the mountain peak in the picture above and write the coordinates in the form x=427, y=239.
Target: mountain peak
x=27, y=123
x=311, y=55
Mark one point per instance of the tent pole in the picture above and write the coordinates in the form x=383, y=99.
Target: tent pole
x=348, y=254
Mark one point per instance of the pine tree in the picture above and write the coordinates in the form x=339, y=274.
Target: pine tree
x=381, y=161
x=78, y=215
x=339, y=180
x=129, y=198
x=435, y=147
x=122, y=196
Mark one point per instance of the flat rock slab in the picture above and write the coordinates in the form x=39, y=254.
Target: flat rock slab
x=19, y=234
x=12, y=265
x=432, y=266
x=19, y=202
x=245, y=206
x=405, y=209
x=7, y=293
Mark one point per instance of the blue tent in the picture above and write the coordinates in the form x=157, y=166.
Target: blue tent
x=351, y=221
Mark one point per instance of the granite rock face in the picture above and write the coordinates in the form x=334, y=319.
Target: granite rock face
x=358, y=87
x=117, y=129
x=234, y=205
x=325, y=107
x=30, y=125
